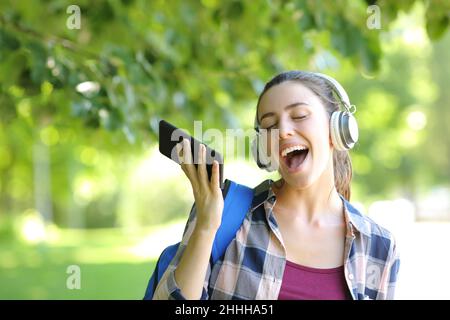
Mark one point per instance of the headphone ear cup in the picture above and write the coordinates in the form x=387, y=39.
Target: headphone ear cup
x=334, y=131
x=260, y=156
x=343, y=130
x=255, y=150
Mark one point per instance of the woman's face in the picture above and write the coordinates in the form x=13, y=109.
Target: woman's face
x=305, y=149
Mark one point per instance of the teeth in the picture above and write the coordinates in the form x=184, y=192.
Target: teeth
x=293, y=148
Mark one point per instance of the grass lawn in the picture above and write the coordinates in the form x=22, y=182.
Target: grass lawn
x=109, y=268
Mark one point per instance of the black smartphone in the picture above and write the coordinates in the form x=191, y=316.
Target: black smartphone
x=170, y=136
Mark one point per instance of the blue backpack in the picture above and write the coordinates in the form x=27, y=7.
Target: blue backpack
x=237, y=201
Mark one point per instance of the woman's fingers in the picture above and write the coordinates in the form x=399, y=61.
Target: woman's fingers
x=187, y=155
x=202, y=174
x=179, y=148
x=187, y=164
x=214, y=184
x=198, y=176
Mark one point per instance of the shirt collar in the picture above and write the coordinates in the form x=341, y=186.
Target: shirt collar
x=355, y=218
x=264, y=193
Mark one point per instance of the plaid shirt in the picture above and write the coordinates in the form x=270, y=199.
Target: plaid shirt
x=253, y=264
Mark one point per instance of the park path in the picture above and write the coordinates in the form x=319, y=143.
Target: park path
x=425, y=260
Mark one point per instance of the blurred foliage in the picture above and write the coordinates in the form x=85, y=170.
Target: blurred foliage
x=203, y=60
x=108, y=267
x=183, y=59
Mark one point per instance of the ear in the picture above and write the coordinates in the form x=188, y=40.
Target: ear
x=330, y=141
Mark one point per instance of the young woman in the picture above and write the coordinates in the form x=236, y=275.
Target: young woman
x=302, y=239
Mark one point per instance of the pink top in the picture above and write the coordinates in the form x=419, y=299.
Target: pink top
x=306, y=283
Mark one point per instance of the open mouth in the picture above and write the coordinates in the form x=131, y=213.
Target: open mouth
x=295, y=157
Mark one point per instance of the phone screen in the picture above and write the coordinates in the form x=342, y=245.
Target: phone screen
x=170, y=136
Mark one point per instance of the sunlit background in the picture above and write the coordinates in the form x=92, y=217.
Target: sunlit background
x=82, y=181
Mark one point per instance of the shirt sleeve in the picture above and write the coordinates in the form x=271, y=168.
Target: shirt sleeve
x=393, y=266
x=168, y=288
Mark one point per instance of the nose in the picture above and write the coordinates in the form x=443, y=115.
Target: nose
x=286, y=129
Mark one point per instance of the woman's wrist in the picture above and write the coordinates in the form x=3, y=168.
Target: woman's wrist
x=205, y=233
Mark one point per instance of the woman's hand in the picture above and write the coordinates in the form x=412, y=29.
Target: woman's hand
x=207, y=194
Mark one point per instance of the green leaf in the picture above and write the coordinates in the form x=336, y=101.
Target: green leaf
x=38, y=61
x=234, y=10
x=306, y=22
x=345, y=37
x=8, y=41
x=7, y=109
x=370, y=58
x=437, y=27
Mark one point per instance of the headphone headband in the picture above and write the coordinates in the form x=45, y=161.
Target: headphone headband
x=341, y=93
x=337, y=88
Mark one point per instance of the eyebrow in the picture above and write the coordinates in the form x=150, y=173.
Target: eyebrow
x=289, y=106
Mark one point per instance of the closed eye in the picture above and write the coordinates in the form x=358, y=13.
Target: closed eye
x=295, y=118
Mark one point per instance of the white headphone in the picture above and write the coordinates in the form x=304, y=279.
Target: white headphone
x=343, y=127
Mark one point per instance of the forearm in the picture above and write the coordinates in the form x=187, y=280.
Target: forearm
x=191, y=271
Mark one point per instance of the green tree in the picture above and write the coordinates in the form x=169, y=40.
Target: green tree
x=105, y=86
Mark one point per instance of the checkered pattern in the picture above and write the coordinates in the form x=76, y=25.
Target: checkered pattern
x=253, y=265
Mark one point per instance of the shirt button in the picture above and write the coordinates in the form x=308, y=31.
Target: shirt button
x=350, y=276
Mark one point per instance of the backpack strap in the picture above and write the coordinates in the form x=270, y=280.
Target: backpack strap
x=238, y=199
x=161, y=265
